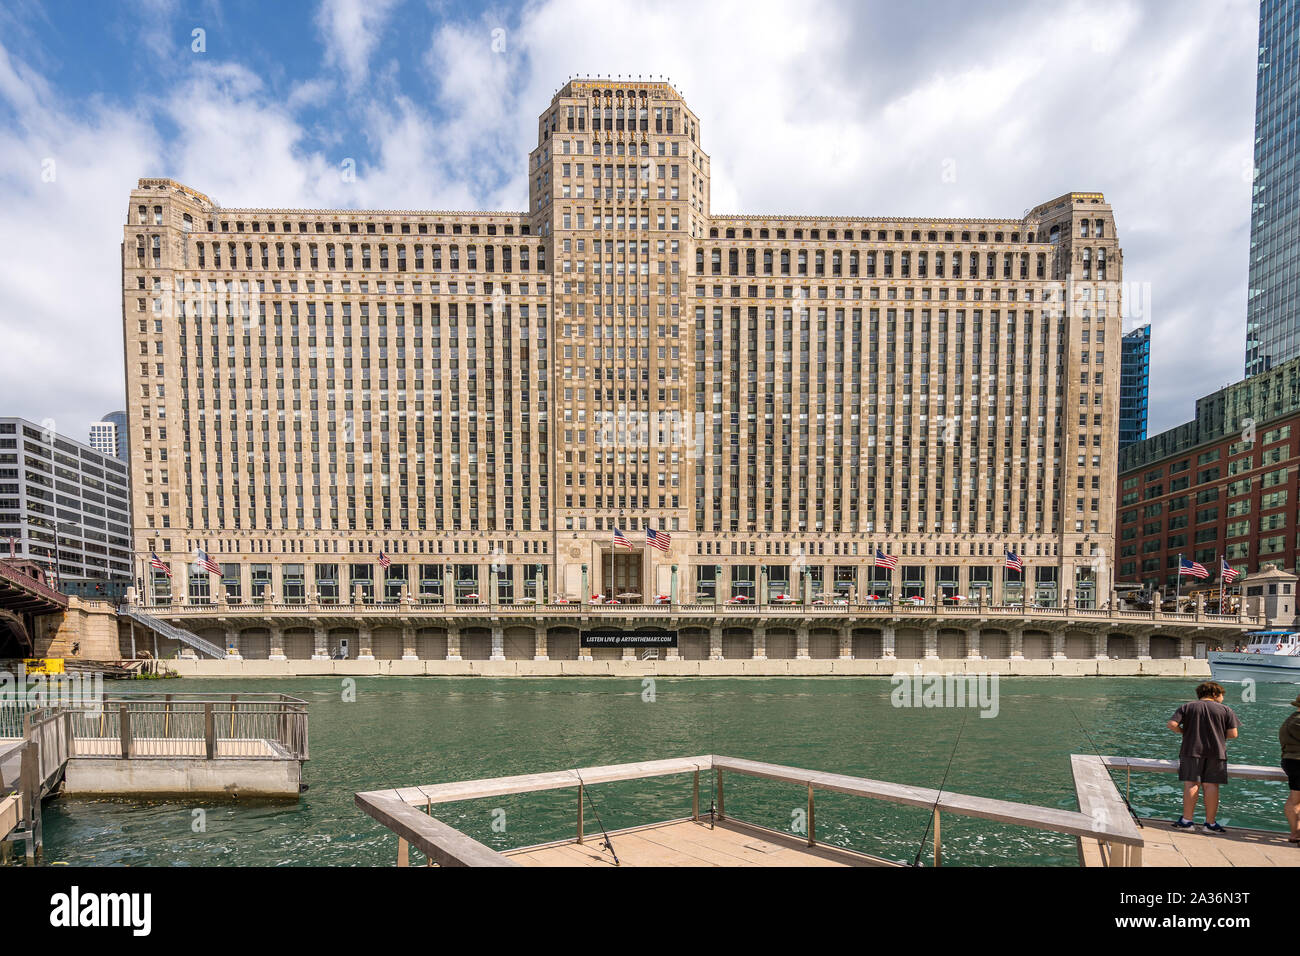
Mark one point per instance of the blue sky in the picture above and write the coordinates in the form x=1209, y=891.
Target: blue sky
x=941, y=108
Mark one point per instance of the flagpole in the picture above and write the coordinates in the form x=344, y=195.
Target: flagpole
x=1178, y=582
x=1221, y=563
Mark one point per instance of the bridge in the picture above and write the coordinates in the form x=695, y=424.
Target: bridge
x=24, y=595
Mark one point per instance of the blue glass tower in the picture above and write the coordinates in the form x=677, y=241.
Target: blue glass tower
x=1134, y=379
x=1273, y=297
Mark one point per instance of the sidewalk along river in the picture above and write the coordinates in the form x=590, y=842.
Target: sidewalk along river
x=408, y=731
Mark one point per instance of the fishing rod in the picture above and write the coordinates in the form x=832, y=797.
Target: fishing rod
x=713, y=753
x=1093, y=745
x=939, y=795
x=606, y=842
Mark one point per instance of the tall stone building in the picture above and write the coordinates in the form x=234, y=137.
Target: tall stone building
x=390, y=404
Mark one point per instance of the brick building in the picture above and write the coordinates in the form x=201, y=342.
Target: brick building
x=1222, y=485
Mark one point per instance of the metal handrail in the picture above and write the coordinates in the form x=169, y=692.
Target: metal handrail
x=246, y=726
x=173, y=632
x=399, y=809
x=579, y=609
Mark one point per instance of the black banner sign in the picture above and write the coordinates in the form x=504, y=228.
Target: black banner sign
x=615, y=637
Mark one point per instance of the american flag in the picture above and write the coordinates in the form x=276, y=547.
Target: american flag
x=1192, y=569
x=886, y=560
x=383, y=560
x=657, y=539
x=1227, y=572
x=620, y=541
x=207, y=563
x=156, y=563
x=1014, y=563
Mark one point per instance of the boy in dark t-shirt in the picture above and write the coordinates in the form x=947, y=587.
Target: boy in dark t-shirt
x=1206, y=725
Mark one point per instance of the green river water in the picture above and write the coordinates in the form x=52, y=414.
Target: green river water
x=407, y=731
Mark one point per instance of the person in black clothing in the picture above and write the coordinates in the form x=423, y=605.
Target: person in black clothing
x=1289, y=736
x=1206, y=725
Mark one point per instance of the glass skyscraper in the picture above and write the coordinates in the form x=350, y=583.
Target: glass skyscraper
x=1273, y=298
x=1134, y=379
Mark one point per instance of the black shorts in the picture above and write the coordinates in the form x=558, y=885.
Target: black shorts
x=1203, y=770
x=1292, y=769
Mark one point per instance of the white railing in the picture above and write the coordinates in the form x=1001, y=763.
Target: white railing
x=578, y=610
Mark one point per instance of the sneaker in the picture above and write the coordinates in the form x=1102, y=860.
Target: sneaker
x=1182, y=823
x=1215, y=828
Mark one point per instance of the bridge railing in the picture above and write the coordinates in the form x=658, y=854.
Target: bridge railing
x=257, y=726
x=13, y=576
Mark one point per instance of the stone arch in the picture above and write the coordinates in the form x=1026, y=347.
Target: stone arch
x=1164, y=647
x=952, y=644
x=431, y=643
x=782, y=644
x=693, y=644
x=562, y=643
x=1078, y=645
x=1037, y=645
x=386, y=643
x=255, y=643
x=868, y=645
x=519, y=643
x=738, y=643
x=216, y=635
x=909, y=642
x=14, y=639
x=336, y=634
x=823, y=643
x=299, y=643
x=995, y=644
x=1123, y=646
x=475, y=644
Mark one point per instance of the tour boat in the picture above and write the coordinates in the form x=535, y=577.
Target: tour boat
x=1270, y=657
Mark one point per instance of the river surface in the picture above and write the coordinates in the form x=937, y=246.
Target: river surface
x=407, y=731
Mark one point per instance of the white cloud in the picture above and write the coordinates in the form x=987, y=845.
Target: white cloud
x=816, y=108
x=351, y=30
x=63, y=183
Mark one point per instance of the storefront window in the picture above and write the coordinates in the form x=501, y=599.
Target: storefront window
x=200, y=591
x=295, y=584
x=467, y=590
x=394, y=580
x=361, y=584
x=327, y=583
x=1045, y=589
x=230, y=583
x=431, y=584
x=913, y=581
x=260, y=579
x=707, y=588
x=778, y=580
x=742, y=581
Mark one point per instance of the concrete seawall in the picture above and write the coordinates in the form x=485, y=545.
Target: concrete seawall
x=1184, y=668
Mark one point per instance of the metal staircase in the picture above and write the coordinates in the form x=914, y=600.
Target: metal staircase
x=173, y=632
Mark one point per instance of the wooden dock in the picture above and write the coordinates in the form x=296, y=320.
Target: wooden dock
x=693, y=843
x=1105, y=832
x=1165, y=846
x=715, y=837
